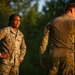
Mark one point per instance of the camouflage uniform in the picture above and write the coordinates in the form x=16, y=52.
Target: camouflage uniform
x=61, y=34
x=11, y=43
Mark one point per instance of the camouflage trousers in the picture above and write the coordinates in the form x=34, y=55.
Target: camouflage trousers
x=62, y=65
x=8, y=69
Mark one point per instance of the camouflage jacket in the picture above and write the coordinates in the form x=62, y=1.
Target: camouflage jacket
x=12, y=43
x=60, y=33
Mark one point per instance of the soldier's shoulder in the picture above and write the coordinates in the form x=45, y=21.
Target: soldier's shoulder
x=62, y=18
x=7, y=29
x=20, y=33
x=58, y=18
x=4, y=29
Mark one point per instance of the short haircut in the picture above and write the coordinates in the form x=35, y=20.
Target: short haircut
x=69, y=7
x=12, y=18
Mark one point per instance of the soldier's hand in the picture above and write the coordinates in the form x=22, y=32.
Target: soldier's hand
x=4, y=55
x=20, y=61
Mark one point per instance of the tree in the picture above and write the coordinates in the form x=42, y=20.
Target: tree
x=32, y=26
x=29, y=27
x=5, y=11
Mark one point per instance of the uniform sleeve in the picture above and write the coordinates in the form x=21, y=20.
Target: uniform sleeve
x=2, y=33
x=22, y=49
x=43, y=61
x=45, y=39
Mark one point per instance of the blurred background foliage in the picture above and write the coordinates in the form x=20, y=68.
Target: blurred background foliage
x=32, y=26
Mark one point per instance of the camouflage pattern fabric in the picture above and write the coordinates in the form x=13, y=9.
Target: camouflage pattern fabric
x=62, y=65
x=61, y=36
x=11, y=43
x=9, y=70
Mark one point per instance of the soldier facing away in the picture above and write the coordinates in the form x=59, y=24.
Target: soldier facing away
x=61, y=34
x=12, y=47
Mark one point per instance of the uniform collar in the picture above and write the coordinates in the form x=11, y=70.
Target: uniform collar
x=13, y=31
x=68, y=17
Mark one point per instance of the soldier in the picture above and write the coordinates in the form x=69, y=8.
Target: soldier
x=12, y=47
x=61, y=34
